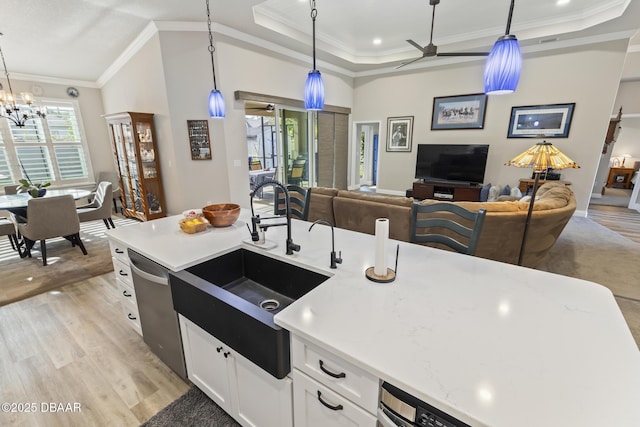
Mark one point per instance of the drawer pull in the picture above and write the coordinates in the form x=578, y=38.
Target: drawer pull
x=126, y=294
x=119, y=251
x=226, y=354
x=131, y=316
x=218, y=349
x=122, y=273
x=333, y=408
x=331, y=374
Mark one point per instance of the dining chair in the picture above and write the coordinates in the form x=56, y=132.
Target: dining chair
x=50, y=217
x=99, y=208
x=112, y=177
x=298, y=202
x=297, y=173
x=444, y=223
x=11, y=189
x=18, y=215
x=8, y=228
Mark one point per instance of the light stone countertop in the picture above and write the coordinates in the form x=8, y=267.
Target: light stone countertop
x=490, y=343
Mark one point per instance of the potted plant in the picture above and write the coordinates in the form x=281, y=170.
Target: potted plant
x=35, y=190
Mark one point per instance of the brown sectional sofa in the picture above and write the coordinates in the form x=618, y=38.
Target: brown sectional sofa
x=503, y=227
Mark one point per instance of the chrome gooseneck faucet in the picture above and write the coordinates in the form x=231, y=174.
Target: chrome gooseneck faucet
x=334, y=259
x=256, y=221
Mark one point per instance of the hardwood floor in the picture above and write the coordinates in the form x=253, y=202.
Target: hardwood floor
x=622, y=220
x=73, y=346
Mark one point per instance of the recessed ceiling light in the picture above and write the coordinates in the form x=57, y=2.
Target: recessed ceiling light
x=377, y=41
x=562, y=2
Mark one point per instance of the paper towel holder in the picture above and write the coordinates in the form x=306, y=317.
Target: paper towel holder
x=389, y=277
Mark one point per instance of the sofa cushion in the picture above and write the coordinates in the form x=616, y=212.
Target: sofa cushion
x=377, y=198
x=484, y=192
x=475, y=206
x=506, y=191
x=321, y=204
x=359, y=211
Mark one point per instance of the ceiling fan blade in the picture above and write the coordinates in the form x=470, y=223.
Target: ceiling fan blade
x=463, y=54
x=409, y=62
x=416, y=45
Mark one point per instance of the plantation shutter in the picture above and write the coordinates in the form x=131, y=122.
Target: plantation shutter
x=67, y=143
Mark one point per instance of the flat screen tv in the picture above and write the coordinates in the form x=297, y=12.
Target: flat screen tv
x=452, y=163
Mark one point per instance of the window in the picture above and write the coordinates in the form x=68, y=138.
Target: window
x=50, y=149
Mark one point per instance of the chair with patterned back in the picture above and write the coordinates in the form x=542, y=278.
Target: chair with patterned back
x=99, y=208
x=255, y=164
x=298, y=202
x=297, y=173
x=50, y=217
x=113, y=178
x=443, y=223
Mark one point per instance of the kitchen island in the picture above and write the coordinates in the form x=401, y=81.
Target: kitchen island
x=490, y=343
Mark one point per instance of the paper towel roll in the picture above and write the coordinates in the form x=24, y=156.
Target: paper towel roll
x=382, y=235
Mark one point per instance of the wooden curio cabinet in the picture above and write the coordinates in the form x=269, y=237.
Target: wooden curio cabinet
x=133, y=140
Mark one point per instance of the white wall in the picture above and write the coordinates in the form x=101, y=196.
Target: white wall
x=251, y=69
x=171, y=77
x=588, y=77
x=139, y=86
x=90, y=105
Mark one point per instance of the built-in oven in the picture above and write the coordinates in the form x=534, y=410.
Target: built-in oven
x=398, y=408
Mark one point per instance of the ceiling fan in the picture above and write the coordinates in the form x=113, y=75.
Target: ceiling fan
x=432, y=50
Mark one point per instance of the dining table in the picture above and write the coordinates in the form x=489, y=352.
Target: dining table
x=19, y=201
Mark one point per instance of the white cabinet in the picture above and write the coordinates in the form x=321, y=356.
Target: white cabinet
x=124, y=285
x=242, y=389
x=329, y=391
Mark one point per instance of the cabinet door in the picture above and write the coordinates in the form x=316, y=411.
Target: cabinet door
x=206, y=365
x=315, y=405
x=260, y=399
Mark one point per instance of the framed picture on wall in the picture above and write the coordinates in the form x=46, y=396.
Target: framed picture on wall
x=399, y=133
x=459, y=112
x=199, y=139
x=535, y=121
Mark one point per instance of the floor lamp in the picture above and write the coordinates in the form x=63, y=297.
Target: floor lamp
x=541, y=157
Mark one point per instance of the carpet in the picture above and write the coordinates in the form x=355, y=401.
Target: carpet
x=192, y=409
x=26, y=277
x=592, y=252
x=613, y=197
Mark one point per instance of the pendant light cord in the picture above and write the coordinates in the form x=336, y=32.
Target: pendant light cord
x=6, y=73
x=314, y=13
x=211, y=47
x=509, y=18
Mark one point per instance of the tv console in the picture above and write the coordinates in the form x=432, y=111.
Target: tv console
x=446, y=191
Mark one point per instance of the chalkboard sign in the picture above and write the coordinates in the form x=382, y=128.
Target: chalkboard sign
x=199, y=139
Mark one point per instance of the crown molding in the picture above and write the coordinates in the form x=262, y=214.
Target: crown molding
x=54, y=80
x=149, y=31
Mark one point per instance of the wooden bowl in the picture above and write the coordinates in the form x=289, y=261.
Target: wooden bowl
x=222, y=214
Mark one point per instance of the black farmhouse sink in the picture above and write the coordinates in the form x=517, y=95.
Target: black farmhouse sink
x=235, y=296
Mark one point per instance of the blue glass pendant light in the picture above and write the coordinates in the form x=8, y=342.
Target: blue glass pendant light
x=217, y=109
x=504, y=65
x=314, y=87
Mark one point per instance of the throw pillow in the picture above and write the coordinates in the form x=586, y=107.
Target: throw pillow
x=494, y=192
x=515, y=192
x=506, y=191
x=484, y=192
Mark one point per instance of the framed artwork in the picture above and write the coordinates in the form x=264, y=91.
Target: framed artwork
x=537, y=121
x=399, y=133
x=199, y=139
x=459, y=112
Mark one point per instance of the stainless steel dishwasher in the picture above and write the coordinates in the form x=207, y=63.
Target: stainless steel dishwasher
x=158, y=319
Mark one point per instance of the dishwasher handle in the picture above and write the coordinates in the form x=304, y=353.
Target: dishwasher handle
x=160, y=280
